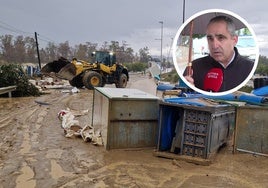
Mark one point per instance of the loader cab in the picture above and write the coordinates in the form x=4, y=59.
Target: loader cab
x=107, y=58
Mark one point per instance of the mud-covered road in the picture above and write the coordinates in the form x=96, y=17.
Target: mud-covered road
x=35, y=153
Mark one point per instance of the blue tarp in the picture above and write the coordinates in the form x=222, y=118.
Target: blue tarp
x=262, y=91
x=164, y=87
x=258, y=97
x=243, y=97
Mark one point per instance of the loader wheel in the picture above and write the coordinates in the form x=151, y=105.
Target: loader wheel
x=122, y=81
x=77, y=82
x=92, y=79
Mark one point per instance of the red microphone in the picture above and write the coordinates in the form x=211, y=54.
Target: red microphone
x=213, y=80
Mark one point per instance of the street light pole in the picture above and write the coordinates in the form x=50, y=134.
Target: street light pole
x=183, y=11
x=161, y=55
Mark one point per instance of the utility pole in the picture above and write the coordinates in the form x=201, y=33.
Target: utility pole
x=37, y=49
x=161, y=55
x=170, y=49
x=183, y=11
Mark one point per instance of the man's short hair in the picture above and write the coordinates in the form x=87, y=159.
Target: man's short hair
x=229, y=22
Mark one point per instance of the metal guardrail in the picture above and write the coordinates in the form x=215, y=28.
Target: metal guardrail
x=8, y=90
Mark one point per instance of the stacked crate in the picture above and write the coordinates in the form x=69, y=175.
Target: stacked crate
x=196, y=133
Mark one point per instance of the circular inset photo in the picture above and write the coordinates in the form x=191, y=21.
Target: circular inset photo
x=215, y=52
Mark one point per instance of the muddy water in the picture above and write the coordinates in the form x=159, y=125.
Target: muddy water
x=35, y=153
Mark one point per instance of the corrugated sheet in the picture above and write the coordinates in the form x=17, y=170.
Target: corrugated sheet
x=251, y=133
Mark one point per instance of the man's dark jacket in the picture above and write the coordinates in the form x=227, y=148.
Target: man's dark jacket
x=233, y=75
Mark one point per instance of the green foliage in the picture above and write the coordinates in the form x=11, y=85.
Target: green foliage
x=246, y=89
x=12, y=74
x=136, y=67
x=144, y=55
x=262, y=67
x=171, y=77
x=23, y=50
x=198, y=36
x=244, y=31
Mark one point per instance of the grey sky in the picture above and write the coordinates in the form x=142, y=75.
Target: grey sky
x=136, y=21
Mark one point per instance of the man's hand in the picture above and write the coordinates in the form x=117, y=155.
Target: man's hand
x=190, y=73
x=189, y=79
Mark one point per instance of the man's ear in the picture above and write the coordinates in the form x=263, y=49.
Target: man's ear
x=235, y=38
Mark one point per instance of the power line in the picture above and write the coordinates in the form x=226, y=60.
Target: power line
x=45, y=39
x=13, y=29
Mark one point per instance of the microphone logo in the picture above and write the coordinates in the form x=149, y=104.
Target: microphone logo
x=213, y=75
x=213, y=80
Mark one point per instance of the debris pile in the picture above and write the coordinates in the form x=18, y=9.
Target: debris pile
x=47, y=83
x=72, y=128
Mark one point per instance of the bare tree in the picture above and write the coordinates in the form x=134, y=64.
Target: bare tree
x=51, y=51
x=19, y=49
x=30, y=49
x=7, y=48
x=64, y=50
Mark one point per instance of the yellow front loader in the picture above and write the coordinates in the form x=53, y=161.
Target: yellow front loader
x=104, y=70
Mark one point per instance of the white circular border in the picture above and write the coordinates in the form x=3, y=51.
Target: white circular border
x=174, y=49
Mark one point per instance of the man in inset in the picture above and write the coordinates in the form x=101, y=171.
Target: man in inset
x=224, y=68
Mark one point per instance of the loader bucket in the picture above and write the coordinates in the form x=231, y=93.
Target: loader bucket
x=61, y=68
x=68, y=72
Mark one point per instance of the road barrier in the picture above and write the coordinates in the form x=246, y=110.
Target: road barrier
x=8, y=90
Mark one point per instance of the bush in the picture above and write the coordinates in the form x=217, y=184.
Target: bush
x=12, y=74
x=171, y=77
x=136, y=67
x=246, y=89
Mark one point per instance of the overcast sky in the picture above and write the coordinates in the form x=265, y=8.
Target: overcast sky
x=133, y=21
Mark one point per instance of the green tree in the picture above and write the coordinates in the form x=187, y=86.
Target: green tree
x=136, y=67
x=144, y=55
x=114, y=46
x=13, y=74
x=123, y=52
x=262, y=67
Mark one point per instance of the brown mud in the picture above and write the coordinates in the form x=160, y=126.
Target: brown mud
x=35, y=153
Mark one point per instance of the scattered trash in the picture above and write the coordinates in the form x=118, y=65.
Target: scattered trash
x=75, y=90
x=68, y=121
x=89, y=135
x=72, y=128
x=175, y=162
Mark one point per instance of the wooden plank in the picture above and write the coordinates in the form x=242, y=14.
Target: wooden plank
x=190, y=159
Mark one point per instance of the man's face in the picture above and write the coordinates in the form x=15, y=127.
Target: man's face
x=220, y=42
